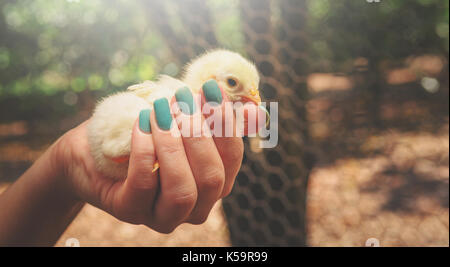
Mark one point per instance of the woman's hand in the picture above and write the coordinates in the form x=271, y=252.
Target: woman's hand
x=194, y=171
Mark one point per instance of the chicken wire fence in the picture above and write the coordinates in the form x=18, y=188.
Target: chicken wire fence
x=267, y=204
x=382, y=167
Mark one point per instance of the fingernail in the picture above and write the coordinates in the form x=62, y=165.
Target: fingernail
x=144, y=121
x=212, y=92
x=162, y=112
x=185, y=100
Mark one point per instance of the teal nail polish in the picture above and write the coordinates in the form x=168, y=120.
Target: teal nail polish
x=185, y=100
x=212, y=92
x=162, y=113
x=144, y=121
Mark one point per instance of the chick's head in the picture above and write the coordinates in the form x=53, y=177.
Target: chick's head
x=237, y=76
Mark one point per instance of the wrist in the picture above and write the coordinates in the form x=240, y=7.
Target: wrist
x=56, y=156
x=38, y=207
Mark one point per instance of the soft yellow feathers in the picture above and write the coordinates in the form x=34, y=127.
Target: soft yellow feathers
x=110, y=128
x=219, y=65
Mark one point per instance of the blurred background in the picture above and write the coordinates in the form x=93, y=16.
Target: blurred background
x=363, y=97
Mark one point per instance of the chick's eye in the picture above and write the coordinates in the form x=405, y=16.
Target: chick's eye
x=231, y=82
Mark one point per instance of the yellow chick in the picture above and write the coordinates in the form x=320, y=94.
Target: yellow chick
x=110, y=128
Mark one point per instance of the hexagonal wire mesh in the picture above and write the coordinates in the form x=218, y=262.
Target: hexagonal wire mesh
x=383, y=151
x=267, y=205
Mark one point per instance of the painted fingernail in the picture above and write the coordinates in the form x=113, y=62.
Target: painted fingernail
x=212, y=92
x=185, y=100
x=144, y=121
x=162, y=112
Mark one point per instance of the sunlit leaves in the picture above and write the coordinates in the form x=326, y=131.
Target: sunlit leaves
x=78, y=84
x=394, y=29
x=76, y=45
x=48, y=46
x=227, y=23
x=95, y=82
x=4, y=57
x=319, y=8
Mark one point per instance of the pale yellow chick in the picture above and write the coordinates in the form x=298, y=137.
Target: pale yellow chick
x=109, y=131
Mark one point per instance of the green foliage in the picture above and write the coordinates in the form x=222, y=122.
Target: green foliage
x=99, y=46
x=390, y=29
x=227, y=24
x=52, y=46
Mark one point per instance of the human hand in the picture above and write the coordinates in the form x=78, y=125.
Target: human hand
x=194, y=171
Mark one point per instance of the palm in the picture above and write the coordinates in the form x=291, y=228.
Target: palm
x=89, y=184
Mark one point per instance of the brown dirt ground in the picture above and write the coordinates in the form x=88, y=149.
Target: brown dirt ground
x=389, y=182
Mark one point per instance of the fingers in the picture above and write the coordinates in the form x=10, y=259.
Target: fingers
x=204, y=159
x=139, y=189
x=231, y=147
x=196, y=168
x=231, y=151
x=178, y=192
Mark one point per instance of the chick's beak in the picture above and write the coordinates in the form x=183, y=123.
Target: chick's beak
x=253, y=97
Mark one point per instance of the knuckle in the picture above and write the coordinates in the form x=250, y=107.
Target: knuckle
x=235, y=155
x=164, y=228
x=143, y=181
x=170, y=149
x=199, y=219
x=183, y=201
x=144, y=155
x=141, y=167
x=131, y=217
x=141, y=177
x=213, y=179
x=226, y=191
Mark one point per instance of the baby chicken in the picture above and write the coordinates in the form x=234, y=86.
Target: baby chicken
x=110, y=128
